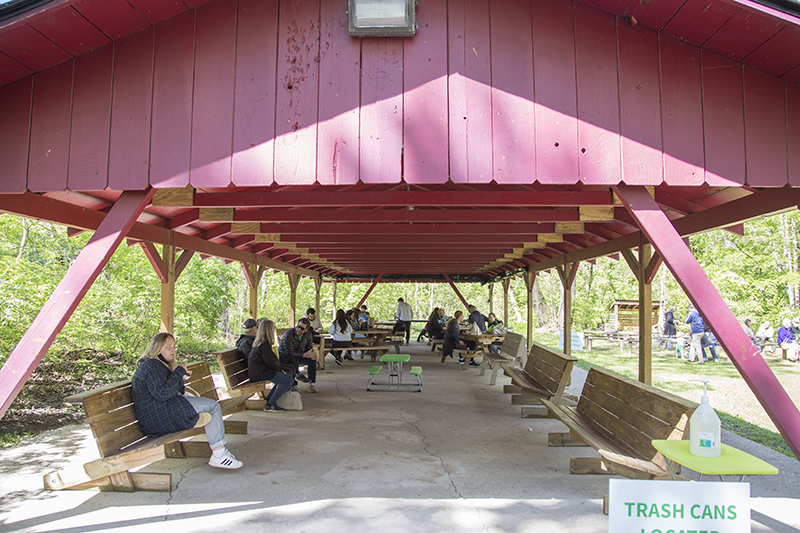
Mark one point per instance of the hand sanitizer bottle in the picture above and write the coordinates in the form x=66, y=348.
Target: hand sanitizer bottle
x=704, y=428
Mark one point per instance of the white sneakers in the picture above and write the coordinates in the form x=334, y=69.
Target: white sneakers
x=312, y=387
x=226, y=461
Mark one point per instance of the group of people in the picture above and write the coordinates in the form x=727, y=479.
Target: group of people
x=451, y=331
x=702, y=338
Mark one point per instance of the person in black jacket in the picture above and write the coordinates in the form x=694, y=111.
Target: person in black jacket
x=245, y=341
x=297, y=349
x=434, y=327
x=264, y=364
x=452, y=336
x=669, y=326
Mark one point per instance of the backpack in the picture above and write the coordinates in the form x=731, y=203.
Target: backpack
x=499, y=329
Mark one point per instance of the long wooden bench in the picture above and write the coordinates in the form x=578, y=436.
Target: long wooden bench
x=545, y=376
x=237, y=379
x=375, y=351
x=123, y=445
x=620, y=417
x=514, y=348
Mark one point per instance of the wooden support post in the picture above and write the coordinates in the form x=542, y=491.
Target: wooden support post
x=567, y=274
x=530, y=279
x=333, y=314
x=73, y=287
x=491, y=299
x=694, y=281
x=317, y=290
x=371, y=287
x=293, y=281
x=645, y=316
x=253, y=274
x=168, y=290
x=506, y=285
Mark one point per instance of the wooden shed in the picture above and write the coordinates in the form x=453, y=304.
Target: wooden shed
x=624, y=314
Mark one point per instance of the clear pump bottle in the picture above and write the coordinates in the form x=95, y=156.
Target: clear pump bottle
x=704, y=428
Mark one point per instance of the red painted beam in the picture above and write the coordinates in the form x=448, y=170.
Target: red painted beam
x=403, y=198
x=694, y=281
x=366, y=294
x=455, y=289
x=72, y=288
x=467, y=227
x=375, y=216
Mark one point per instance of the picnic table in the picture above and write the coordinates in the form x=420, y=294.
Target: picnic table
x=484, y=340
x=395, y=378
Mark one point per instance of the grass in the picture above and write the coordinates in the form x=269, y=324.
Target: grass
x=738, y=409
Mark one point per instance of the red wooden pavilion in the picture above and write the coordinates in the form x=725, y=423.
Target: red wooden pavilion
x=504, y=138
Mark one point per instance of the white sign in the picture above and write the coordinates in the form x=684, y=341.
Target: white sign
x=577, y=341
x=678, y=507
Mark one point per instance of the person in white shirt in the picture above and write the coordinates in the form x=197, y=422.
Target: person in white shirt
x=404, y=315
x=342, y=333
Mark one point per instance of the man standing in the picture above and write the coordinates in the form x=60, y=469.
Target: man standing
x=404, y=315
x=297, y=349
x=698, y=329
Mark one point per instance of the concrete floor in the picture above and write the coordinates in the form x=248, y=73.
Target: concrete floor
x=455, y=457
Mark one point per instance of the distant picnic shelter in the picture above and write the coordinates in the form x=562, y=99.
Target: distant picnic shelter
x=501, y=139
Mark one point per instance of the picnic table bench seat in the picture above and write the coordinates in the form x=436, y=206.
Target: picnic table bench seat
x=620, y=417
x=123, y=445
x=545, y=377
x=375, y=351
x=237, y=379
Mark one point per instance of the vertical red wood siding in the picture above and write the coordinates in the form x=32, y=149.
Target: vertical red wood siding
x=681, y=112
x=381, y=110
x=555, y=90
x=640, y=105
x=765, y=140
x=254, y=111
x=338, y=143
x=170, y=142
x=15, y=108
x=256, y=92
x=49, y=151
x=425, y=97
x=598, y=97
x=723, y=119
x=793, y=133
x=91, y=121
x=470, y=94
x=129, y=146
x=298, y=86
x=512, y=92
x=212, y=121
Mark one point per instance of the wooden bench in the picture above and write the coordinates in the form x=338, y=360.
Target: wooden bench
x=124, y=446
x=619, y=417
x=467, y=354
x=237, y=379
x=374, y=351
x=436, y=344
x=545, y=376
x=514, y=348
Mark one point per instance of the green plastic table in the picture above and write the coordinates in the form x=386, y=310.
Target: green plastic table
x=395, y=365
x=730, y=461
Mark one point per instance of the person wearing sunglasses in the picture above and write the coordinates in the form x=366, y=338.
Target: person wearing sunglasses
x=297, y=348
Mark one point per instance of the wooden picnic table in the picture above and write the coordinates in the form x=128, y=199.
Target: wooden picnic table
x=484, y=340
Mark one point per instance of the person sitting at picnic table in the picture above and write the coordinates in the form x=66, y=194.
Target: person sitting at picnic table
x=433, y=327
x=452, y=336
x=476, y=317
x=749, y=332
x=162, y=408
x=296, y=349
x=492, y=321
x=245, y=341
x=698, y=328
x=316, y=324
x=352, y=317
x=265, y=365
x=342, y=332
x=669, y=326
x=786, y=340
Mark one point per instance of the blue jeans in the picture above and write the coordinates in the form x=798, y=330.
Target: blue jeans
x=280, y=384
x=215, y=430
x=312, y=368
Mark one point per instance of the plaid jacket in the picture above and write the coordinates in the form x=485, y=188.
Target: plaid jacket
x=158, y=399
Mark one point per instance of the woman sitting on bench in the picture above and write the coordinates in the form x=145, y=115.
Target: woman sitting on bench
x=264, y=364
x=161, y=407
x=434, y=326
x=452, y=338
